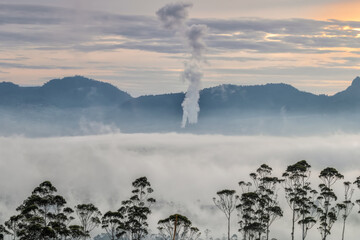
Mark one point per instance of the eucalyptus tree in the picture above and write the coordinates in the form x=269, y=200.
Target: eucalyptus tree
x=266, y=189
x=77, y=233
x=309, y=212
x=113, y=223
x=177, y=227
x=300, y=196
x=41, y=215
x=137, y=209
x=226, y=202
x=346, y=206
x=12, y=226
x=258, y=205
x=89, y=217
x=3, y=232
x=249, y=209
x=328, y=212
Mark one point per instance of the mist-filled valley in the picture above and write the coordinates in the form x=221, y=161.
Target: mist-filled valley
x=79, y=106
x=185, y=120
x=185, y=172
x=91, y=140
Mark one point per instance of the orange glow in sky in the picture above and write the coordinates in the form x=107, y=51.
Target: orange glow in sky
x=346, y=10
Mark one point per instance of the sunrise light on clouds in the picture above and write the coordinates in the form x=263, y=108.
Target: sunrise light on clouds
x=313, y=45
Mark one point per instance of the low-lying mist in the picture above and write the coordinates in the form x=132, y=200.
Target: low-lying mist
x=52, y=121
x=185, y=171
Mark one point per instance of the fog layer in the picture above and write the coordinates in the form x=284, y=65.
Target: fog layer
x=185, y=170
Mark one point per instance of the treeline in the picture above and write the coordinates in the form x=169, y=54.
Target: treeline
x=258, y=205
x=44, y=215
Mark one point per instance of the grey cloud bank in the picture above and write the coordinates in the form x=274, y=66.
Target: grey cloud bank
x=185, y=170
x=38, y=30
x=295, y=34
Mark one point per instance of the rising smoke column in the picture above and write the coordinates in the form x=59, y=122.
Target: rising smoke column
x=174, y=16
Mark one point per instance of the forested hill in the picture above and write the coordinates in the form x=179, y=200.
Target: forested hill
x=62, y=106
x=81, y=92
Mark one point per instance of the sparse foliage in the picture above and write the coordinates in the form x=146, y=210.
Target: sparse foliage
x=89, y=217
x=137, y=209
x=179, y=225
x=328, y=212
x=300, y=196
x=226, y=203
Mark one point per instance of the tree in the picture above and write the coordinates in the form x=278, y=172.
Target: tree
x=308, y=212
x=3, y=231
x=226, y=203
x=113, y=223
x=42, y=215
x=89, y=217
x=328, y=213
x=346, y=206
x=12, y=226
x=77, y=232
x=137, y=209
x=300, y=196
x=249, y=210
x=259, y=206
x=266, y=187
x=178, y=227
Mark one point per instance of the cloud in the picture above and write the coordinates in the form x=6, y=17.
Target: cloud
x=24, y=66
x=185, y=170
x=47, y=26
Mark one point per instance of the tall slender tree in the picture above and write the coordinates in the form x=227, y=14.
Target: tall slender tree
x=299, y=196
x=266, y=187
x=178, y=227
x=259, y=207
x=308, y=211
x=89, y=217
x=137, y=209
x=114, y=225
x=328, y=212
x=226, y=203
x=249, y=209
x=346, y=206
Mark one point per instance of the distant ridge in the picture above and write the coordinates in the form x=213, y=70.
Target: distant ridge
x=67, y=92
x=80, y=106
x=81, y=92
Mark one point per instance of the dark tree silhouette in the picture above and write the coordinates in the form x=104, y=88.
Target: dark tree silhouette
x=178, y=227
x=259, y=207
x=226, y=203
x=328, y=212
x=266, y=188
x=42, y=215
x=346, y=206
x=89, y=217
x=13, y=227
x=114, y=225
x=3, y=232
x=300, y=196
x=137, y=209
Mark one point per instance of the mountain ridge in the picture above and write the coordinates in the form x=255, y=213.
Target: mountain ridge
x=79, y=91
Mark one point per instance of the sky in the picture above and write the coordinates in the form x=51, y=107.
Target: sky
x=184, y=170
x=312, y=44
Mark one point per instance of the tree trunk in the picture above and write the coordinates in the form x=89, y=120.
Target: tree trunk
x=293, y=224
x=343, y=231
x=303, y=227
x=229, y=228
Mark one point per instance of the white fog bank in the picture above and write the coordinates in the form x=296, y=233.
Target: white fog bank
x=185, y=170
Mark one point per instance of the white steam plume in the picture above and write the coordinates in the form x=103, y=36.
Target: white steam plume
x=174, y=16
